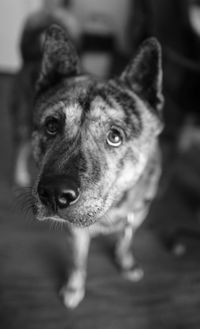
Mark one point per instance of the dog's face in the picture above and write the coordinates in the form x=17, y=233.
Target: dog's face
x=92, y=139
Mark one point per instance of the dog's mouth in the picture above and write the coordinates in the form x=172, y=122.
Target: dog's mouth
x=69, y=221
x=80, y=215
x=59, y=220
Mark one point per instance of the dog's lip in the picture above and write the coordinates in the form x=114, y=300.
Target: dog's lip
x=44, y=214
x=54, y=218
x=66, y=221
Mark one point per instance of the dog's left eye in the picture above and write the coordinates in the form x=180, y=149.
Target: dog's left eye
x=115, y=137
x=52, y=126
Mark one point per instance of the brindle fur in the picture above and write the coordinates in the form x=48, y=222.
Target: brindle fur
x=117, y=183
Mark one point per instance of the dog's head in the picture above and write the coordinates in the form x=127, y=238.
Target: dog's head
x=92, y=139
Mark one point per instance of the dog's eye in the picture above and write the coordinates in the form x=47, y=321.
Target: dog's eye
x=52, y=126
x=115, y=137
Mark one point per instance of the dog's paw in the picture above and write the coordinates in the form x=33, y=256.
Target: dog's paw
x=134, y=274
x=129, y=268
x=72, y=296
x=126, y=261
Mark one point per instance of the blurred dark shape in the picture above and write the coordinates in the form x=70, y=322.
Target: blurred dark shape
x=35, y=26
x=168, y=20
x=176, y=24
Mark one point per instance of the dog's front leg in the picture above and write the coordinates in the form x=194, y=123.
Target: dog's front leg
x=22, y=177
x=123, y=250
x=74, y=290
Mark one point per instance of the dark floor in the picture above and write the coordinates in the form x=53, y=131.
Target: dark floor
x=33, y=260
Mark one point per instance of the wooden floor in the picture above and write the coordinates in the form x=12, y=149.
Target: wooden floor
x=34, y=257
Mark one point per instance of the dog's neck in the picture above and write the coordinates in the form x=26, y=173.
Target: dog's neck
x=134, y=194
x=124, y=211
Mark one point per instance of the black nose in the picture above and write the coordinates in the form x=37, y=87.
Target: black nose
x=58, y=193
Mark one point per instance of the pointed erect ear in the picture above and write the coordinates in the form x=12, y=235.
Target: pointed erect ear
x=144, y=74
x=59, y=58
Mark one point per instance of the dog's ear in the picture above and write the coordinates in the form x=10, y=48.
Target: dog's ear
x=59, y=60
x=144, y=74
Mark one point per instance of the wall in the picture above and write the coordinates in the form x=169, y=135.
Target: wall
x=12, y=16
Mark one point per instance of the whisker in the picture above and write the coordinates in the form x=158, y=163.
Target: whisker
x=24, y=201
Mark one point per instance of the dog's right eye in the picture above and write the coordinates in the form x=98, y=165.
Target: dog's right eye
x=115, y=137
x=52, y=126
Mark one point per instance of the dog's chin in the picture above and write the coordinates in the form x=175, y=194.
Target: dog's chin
x=54, y=218
x=73, y=222
x=73, y=217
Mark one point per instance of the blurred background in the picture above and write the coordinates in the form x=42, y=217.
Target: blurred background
x=33, y=257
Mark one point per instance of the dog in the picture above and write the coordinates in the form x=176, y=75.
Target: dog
x=96, y=147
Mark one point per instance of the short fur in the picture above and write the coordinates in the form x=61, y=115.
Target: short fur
x=117, y=184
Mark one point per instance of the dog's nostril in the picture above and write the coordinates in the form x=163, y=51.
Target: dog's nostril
x=43, y=194
x=47, y=197
x=67, y=197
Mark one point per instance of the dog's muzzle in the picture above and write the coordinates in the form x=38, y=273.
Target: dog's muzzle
x=58, y=192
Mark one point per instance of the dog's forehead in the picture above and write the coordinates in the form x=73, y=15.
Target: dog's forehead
x=67, y=92
x=92, y=99
x=81, y=94
x=84, y=98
